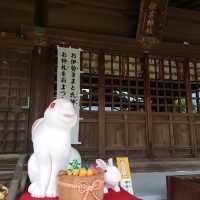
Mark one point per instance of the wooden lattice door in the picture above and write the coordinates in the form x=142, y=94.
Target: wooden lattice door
x=15, y=65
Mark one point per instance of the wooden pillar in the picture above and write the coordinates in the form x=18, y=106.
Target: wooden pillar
x=189, y=106
x=152, y=20
x=101, y=107
x=188, y=86
x=148, y=122
x=41, y=13
x=39, y=82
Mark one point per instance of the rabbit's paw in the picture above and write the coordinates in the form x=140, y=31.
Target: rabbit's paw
x=31, y=187
x=116, y=189
x=38, y=191
x=51, y=192
x=105, y=190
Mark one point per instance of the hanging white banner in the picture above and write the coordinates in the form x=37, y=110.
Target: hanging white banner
x=68, y=81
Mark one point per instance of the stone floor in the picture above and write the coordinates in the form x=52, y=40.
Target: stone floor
x=152, y=186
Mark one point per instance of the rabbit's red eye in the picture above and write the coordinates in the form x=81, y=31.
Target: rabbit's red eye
x=52, y=105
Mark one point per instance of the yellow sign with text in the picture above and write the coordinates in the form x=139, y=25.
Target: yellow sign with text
x=124, y=168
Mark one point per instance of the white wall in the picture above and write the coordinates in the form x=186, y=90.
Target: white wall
x=152, y=186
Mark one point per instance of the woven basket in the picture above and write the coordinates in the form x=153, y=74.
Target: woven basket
x=81, y=187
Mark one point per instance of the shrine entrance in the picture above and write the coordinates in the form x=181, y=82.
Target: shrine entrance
x=15, y=73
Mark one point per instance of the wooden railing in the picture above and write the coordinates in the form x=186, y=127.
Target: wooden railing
x=12, y=168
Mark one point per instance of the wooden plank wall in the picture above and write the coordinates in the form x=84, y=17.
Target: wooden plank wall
x=140, y=135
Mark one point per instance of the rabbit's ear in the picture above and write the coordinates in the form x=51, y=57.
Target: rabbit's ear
x=110, y=162
x=52, y=104
x=101, y=164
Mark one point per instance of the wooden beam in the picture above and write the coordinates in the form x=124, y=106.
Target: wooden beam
x=152, y=21
x=41, y=13
x=21, y=5
x=178, y=3
x=64, y=2
x=182, y=25
x=191, y=4
x=99, y=5
x=111, y=4
x=179, y=14
x=165, y=165
x=115, y=43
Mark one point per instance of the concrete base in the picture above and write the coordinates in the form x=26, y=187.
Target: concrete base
x=153, y=197
x=152, y=185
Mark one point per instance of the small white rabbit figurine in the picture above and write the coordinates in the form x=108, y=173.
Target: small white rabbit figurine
x=112, y=176
x=52, y=148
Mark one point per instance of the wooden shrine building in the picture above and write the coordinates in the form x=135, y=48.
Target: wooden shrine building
x=141, y=80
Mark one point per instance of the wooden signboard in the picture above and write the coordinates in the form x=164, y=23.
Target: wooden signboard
x=126, y=181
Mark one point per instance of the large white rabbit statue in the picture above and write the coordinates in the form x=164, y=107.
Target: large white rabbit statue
x=52, y=148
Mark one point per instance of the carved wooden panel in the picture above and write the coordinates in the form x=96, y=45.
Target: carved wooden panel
x=182, y=135
x=161, y=135
x=136, y=135
x=125, y=134
x=89, y=134
x=114, y=131
x=151, y=21
x=197, y=136
x=171, y=135
x=182, y=138
x=195, y=125
x=115, y=135
x=160, y=131
x=14, y=94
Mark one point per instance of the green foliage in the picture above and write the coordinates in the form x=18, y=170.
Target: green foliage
x=75, y=164
x=180, y=105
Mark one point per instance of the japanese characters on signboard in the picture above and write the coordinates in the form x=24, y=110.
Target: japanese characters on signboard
x=68, y=80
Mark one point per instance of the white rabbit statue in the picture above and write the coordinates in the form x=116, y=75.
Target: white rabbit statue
x=112, y=176
x=52, y=148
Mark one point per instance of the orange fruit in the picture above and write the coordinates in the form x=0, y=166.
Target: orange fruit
x=76, y=172
x=62, y=172
x=89, y=172
x=69, y=172
x=83, y=172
